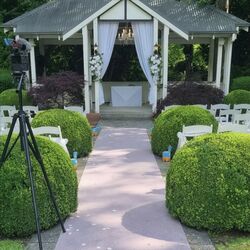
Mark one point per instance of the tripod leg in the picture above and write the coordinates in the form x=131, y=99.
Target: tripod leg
x=38, y=157
x=5, y=155
x=24, y=139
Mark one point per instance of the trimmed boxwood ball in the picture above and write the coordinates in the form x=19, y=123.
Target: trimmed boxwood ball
x=16, y=211
x=171, y=121
x=208, y=182
x=10, y=97
x=237, y=97
x=74, y=126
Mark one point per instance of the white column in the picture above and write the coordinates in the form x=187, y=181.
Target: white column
x=219, y=62
x=165, y=61
x=227, y=65
x=33, y=62
x=156, y=26
x=210, y=77
x=90, y=77
x=97, y=83
x=85, y=38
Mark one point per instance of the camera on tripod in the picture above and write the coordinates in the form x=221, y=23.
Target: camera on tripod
x=19, y=56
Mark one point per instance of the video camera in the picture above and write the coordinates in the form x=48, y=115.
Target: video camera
x=19, y=57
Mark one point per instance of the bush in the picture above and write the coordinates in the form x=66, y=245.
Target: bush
x=6, y=81
x=16, y=211
x=189, y=93
x=237, y=97
x=242, y=82
x=58, y=90
x=10, y=97
x=170, y=122
x=208, y=182
x=74, y=126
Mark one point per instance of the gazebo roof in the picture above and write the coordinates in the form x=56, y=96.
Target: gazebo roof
x=59, y=17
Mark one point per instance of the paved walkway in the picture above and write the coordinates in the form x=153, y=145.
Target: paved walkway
x=121, y=199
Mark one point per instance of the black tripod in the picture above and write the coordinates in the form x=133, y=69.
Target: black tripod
x=26, y=144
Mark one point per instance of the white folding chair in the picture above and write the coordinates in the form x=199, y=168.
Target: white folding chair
x=216, y=108
x=78, y=109
x=232, y=127
x=54, y=133
x=242, y=107
x=228, y=115
x=192, y=131
x=30, y=110
x=5, y=123
x=242, y=119
x=7, y=110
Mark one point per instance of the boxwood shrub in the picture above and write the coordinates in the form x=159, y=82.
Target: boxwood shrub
x=237, y=97
x=208, y=182
x=16, y=211
x=170, y=122
x=74, y=126
x=10, y=97
x=242, y=82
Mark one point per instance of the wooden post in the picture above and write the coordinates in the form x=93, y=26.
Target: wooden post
x=210, y=77
x=165, y=61
x=33, y=62
x=219, y=62
x=85, y=38
x=156, y=26
x=227, y=64
x=97, y=83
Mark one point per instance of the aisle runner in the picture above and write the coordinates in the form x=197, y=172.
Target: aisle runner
x=121, y=199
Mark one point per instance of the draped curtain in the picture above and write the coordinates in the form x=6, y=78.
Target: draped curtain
x=144, y=43
x=107, y=32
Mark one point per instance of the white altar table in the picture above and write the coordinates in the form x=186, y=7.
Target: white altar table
x=126, y=96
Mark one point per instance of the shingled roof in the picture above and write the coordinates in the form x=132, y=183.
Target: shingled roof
x=60, y=16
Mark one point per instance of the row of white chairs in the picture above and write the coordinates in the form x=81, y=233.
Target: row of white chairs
x=197, y=130
x=9, y=111
x=54, y=134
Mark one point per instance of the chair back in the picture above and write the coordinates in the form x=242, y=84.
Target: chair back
x=228, y=115
x=48, y=130
x=30, y=110
x=7, y=110
x=232, y=127
x=196, y=130
x=242, y=107
x=78, y=109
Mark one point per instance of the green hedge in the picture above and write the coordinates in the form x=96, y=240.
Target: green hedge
x=74, y=126
x=10, y=97
x=208, y=182
x=6, y=81
x=16, y=211
x=237, y=97
x=170, y=122
x=242, y=82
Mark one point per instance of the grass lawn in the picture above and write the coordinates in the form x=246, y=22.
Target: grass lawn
x=231, y=241
x=11, y=245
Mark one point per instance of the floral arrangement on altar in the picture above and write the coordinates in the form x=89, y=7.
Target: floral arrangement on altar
x=95, y=64
x=155, y=62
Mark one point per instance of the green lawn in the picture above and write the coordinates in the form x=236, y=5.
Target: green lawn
x=231, y=241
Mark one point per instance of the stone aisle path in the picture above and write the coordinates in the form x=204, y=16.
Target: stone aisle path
x=121, y=199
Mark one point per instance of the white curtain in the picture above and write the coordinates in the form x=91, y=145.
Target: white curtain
x=107, y=33
x=144, y=43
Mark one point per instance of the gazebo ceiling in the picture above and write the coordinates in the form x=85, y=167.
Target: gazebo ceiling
x=60, y=17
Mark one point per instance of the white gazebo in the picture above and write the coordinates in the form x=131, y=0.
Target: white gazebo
x=89, y=22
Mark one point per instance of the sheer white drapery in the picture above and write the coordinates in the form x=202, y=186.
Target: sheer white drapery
x=144, y=44
x=107, y=32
